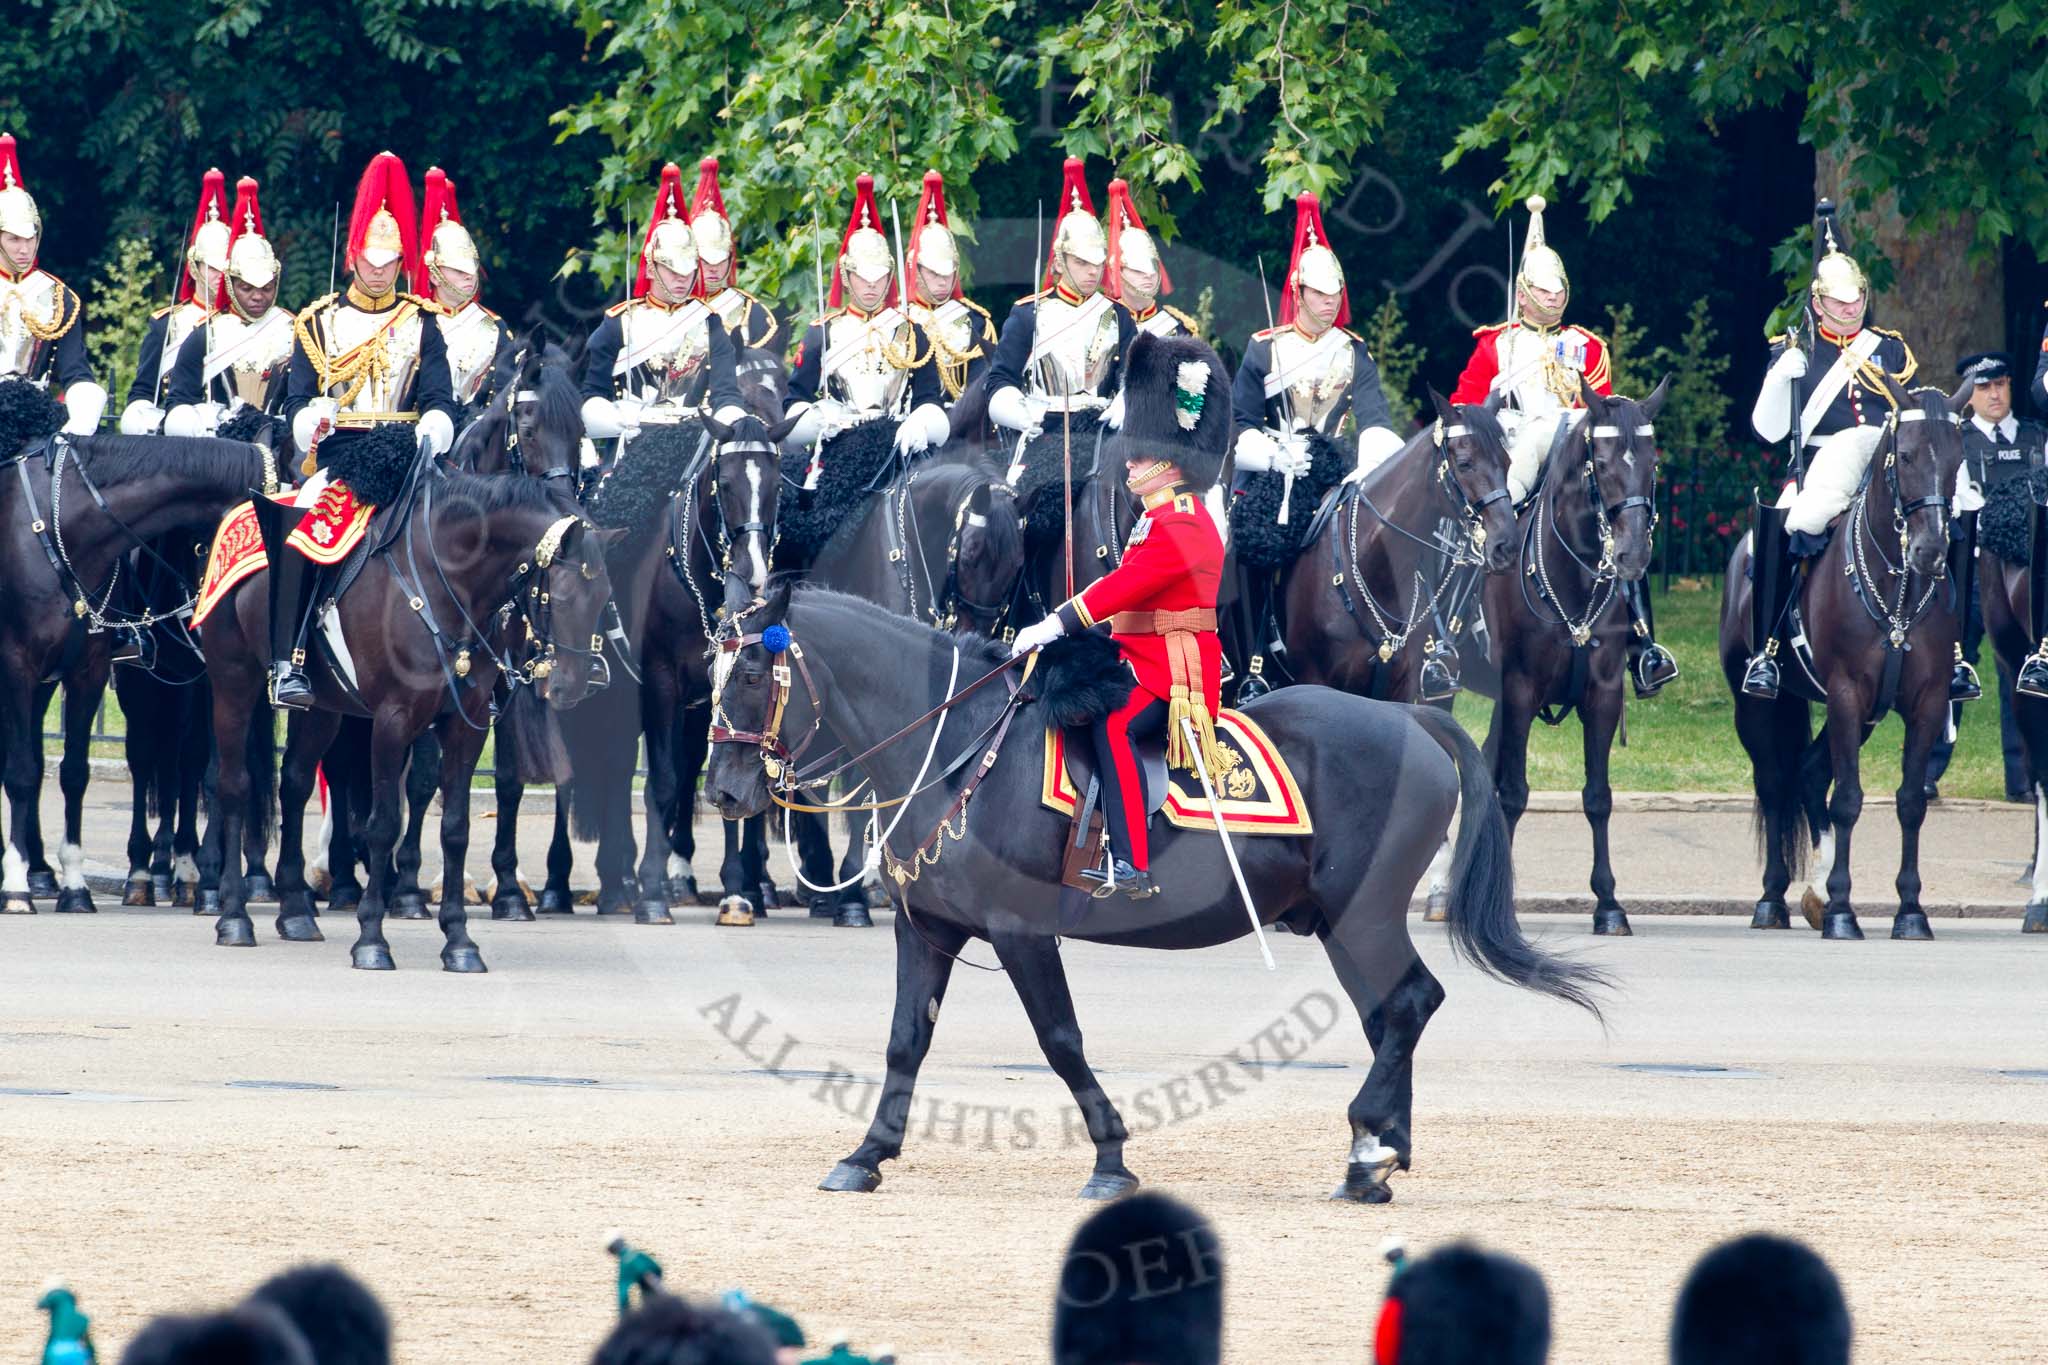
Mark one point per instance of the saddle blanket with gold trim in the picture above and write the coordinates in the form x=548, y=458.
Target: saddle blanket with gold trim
x=1255, y=789
x=331, y=528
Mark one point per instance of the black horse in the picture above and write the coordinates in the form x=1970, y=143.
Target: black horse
x=2014, y=594
x=76, y=507
x=1876, y=611
x=976, y=856
x=1558, y=625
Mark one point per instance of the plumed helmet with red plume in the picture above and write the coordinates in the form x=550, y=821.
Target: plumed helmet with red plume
x=668, y=242
x=18, y=213
x=1313, y=264
x=250, y=258
x=931, y=237
x=385, y=224
x=862, y=248
x=708, y=223
x=1077, y=231
x=207, y=243
x=448, y=245
x=1129, y=244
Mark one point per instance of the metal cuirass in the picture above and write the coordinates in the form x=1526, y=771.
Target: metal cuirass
x=667, y=347
x=861, y=365
x=37, y=299
x=1073, y=346
x=248, y=356
x=381, y=385
x=1317, y=375
x=471, y=337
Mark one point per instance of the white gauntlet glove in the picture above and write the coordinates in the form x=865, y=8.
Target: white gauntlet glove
x=192, y=419
x=1038, y=635
x=84, y=401
x=1772, y=414
x=926, y=428
x=1290, y=455
x=1256, y=450
x=1789, y=366
x=141, y=418
x=603, y=419
x=1376, y=445
x=436, y=433
x=306, y=425
x=1008, y=407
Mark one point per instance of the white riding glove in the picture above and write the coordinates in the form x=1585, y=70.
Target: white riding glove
x=308, y=420
x=926, y=428
x=85, y=401
x=1376, y=445
x=1009, y=408
x=819, y=421
x=603, y=419
x=436, y=433
x=141, y=418
x=1772, y=414
x=1968, y=496
x=1256, y=450
x=1038, y=635
x=192, y=419
x=1113, y=418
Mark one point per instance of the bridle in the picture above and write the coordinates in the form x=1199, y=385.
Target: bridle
x=1895, y=618
x=1603, y=576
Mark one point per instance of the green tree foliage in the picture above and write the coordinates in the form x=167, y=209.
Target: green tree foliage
x=1399, y=359
x=117, y=311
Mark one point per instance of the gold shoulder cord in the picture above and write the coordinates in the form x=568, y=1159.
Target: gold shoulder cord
x=753, y=307
x=60, y=322
x=369, y=360
x=901, y=351
x=952, y=363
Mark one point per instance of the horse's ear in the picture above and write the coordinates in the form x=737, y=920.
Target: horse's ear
x=1960, y=399
x=1655, y=402
x=978, y=501
x=1589, y=397
x=1494, y=399
x=780, y=429
x=1900, y=397
x=719, y=430
x=1442, y=405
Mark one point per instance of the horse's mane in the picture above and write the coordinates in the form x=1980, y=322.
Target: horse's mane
x=560, y=403
x=115, y=459
x=974, y=649
x=495, y=492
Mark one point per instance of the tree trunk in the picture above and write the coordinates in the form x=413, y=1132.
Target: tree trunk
x=1947, y=301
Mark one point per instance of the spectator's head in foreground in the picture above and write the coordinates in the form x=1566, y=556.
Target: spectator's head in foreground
x=254, y=1334
x=666, y=1330
x=335, y=1312
x=1142, y=1284
x=1761, y=1300
x=1461, y=1305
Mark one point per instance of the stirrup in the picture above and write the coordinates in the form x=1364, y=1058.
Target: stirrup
x=1760, y=678
x=1655, y=667
x=1962, y=683
x=1438, y=680
x=290, y=688
x=127, y=647
x=1254, y=685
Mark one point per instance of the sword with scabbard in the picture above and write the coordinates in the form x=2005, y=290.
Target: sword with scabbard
x=1229, y=852
x=1286, y=402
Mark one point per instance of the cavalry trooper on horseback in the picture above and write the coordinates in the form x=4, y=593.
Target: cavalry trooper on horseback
x=240, y=356
x=962, y=335
x=1160, y=601
x=1135, y=276
x=1061, y=348
x=478, y=342
x=199, y=286
x=1304, y=378
x=661, y=356
x=367, y=357
x=864, y=361
x=1827, y=390
x=1535, y=361
x=750, y=322
x=42, y=324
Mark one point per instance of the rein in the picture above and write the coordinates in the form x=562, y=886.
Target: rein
x=1604, y=576
x=1895, y=619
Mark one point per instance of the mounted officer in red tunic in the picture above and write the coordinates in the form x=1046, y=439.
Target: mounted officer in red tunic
x=1160, y=602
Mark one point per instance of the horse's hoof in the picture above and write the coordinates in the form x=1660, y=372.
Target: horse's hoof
x=164, y=889
x=683, y=890
x=42, y=882
x=847, y=1178
x=465, y=959
x=736, y=912
x=299, y=929
x=260, y=887
x=511, y=905
x=371, y=957
x=1811, y=905
x=1911, y=924
x=2036, y=920
x=612, y=907
x=140, y=891
x=822, y=907
x=853, y=915
x=1105, y=1185
x=652, y=912
x=184, y=894
x=1612, y=923
x=409, y=905
x=17, y=904
x=1771, y=915
x=1437, y=908
x=1365, y=1182
x=234, y=931
x=205, y=900
x=555, y=900
x=1840, y=924
x=76, y=900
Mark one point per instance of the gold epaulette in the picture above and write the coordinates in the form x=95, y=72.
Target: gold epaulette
x=1194, y=329
x=1031, y=298
x=307, y=313
x=827, y=316
x=165, y=311
x=974, y=307
x=1184, y=502
x=1490, y=327
x=1271, y=332
x=423, y=303
x=621, y=306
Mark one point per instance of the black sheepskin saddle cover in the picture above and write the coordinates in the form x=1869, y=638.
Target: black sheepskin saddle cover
x=1257, y=536
x=633, y=493
x=2002, y=523
x=27, y=415
x=247, y=424
x=853, y=464
x=376, y=464
x=1038, y=488
x=1079, y=679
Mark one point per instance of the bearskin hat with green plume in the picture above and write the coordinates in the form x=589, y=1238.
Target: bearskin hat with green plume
x=1176, y=407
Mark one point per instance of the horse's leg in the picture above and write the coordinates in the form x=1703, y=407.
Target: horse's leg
x=263, y=791
x=1910, y=921
x=42, y=878
x=233, y=699
x=82, y=695
x=1382, y=1112
x=140, y=746
x=814, y=860
x=2035, y=920
x=616, y=851
x=461, y=745
x=508, y=894
x=693, y=745
x=423, y=769
x=657, y=722
x=736, y=905
x=192, y=753
x=306, y=738
x=1845, y=804
x=21, y=721
x=555, y=895
x=1033, y=962
x=852, y=912
x=924, y=963
x=389, y=747
x=1774, y=780
x=205, y=889
x=1598, y=718
x=1512, y=717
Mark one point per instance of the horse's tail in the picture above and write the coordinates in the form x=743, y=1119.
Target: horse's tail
x=1791, y=741
x=262, y=766
x=1484, y=930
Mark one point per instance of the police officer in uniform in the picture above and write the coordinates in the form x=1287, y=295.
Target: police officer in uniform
x=241, y=355
x=366, y=357
x=661, y=356
x=865, y=358
x=750, y=322
x=1135, y=276
x=478, y=342
x=42, y=323
x=962, y=335
x=199, y=284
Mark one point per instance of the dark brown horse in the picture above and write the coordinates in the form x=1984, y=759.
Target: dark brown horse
x=2013, y=590
x=1558, y=625
x=1875, y=609
x=473, y=566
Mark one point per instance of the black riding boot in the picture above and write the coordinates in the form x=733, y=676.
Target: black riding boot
x=1962, y=571
x=1257, y=629
x=1650, y=665
x=1770, y=589
x=2033, y=675
x=291, y=583
x=1119, y=876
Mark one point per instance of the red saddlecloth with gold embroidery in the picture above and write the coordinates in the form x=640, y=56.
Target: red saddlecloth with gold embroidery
x=335, y=525
x=332, y=527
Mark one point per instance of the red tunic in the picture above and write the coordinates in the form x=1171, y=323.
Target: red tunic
x=1480, y=371
x=1173, y=562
